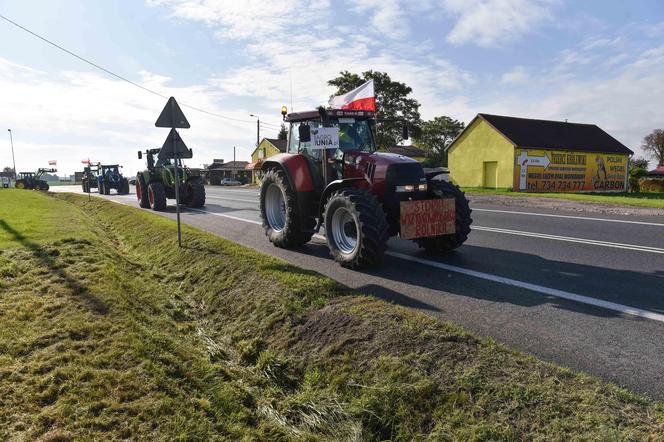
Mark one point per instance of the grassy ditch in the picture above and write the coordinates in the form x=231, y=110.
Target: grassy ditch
x=108, y=333
x=644, y=199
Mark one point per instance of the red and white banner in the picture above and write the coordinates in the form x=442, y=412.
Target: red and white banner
x=86, y=161
x=52, y=162
x=362, y=98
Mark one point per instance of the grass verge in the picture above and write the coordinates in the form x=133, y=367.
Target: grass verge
x=652, y=200
x=107, y=332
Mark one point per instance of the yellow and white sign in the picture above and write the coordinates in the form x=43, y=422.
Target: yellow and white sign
x=564, y=171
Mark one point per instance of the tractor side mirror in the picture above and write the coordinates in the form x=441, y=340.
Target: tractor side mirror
x=305, y=133
x=324, y=118
x=140, y=155
x=404, y=132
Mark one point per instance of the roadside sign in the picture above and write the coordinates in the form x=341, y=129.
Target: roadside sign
x=172, y=116
x=168, y=151
x=427, y=218
x=538, y=170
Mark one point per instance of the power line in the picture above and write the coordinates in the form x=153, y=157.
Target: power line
x=120, y=77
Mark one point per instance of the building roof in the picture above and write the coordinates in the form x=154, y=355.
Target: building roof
x=407, y=151
x=237, y=165
x=657, y=172
x=282, y=145
x=560, y=135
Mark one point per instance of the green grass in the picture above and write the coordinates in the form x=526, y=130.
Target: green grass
x=107, y=332
x=651, y=200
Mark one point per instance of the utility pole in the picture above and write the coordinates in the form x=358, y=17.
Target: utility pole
x=234, y=165
x=11, y=141
x=258, y=128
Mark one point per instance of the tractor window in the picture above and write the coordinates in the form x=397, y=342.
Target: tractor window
x=353, y=135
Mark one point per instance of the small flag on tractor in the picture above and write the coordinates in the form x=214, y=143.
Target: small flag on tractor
x=86, y=161
x=52, y=162
x=361, y=98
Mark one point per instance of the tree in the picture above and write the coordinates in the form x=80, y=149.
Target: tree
x=638, y=167
x=653, y=145
x=393, y=102
x=283, y=133
x=435, y=135
x=8, y=169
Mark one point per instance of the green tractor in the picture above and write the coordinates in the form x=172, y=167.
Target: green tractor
x=32, y=180
x=157, y=183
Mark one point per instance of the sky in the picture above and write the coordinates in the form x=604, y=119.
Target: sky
x=588, y=61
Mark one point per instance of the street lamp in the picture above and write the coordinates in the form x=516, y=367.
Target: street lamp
x=258, y=128
x=11, y=141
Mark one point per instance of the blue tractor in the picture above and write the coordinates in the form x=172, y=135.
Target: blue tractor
x=109, y=177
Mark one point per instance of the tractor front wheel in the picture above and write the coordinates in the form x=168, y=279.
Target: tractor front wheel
x=279, y=211
x=443, y=243
x=43, y=185
x=157, y=196
x=195, y=193
x=356, y=228
x=142, y=192
x=20, y=184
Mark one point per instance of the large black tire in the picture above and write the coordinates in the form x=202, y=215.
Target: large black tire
x=157, y=196
x=124, y=187
x=354, y=212
x=282, y=227
x=195, y=193
x=443, y=243
x=104, y=188
x=84, y=186
x=42, y=185
x=142, y=192
x=20, y=184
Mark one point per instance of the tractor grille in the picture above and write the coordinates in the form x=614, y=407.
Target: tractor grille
x=370, y=171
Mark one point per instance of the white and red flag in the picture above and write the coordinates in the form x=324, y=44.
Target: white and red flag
x=361, y=98
x=86, y=161
x=52, y=162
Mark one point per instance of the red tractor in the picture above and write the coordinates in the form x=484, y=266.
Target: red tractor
x=332, y=176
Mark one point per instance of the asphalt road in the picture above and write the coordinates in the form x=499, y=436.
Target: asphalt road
x=584, y=291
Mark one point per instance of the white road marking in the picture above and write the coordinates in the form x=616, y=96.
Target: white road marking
x=585, y=218
x=633, y=311
x=620, y=308
x=593, y=242
x=231, y=199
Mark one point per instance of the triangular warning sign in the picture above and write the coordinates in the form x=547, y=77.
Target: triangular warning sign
x=168, y=152
x=172, y=116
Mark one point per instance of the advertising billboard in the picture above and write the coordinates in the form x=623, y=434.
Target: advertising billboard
x=538, y=170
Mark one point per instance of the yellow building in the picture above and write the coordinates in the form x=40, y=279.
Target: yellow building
x=265, y=149
x=530, y=155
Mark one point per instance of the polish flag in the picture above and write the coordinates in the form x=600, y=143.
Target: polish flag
x=86, y=161
x=52, y=162
x=362, y=98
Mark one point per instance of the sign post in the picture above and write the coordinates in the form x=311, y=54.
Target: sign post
x=173, y=117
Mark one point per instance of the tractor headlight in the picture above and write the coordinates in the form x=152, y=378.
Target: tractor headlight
x=412, y=188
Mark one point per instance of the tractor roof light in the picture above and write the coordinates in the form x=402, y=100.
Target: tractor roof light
x=284, y=111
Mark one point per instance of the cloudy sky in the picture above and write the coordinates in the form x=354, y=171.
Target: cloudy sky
x=586, y=61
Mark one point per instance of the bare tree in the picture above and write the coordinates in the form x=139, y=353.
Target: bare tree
x=653, y=145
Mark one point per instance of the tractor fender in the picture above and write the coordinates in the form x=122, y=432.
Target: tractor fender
x=340, y=184
x=296, y=169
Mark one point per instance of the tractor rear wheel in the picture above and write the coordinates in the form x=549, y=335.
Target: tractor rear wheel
x=443, y=243
x=157, y=196
x=84, y=187
x=279, y=211
x=43, y=185
x=195, y=193
x=142, y=192
x=104, y=188
x=356, y=228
